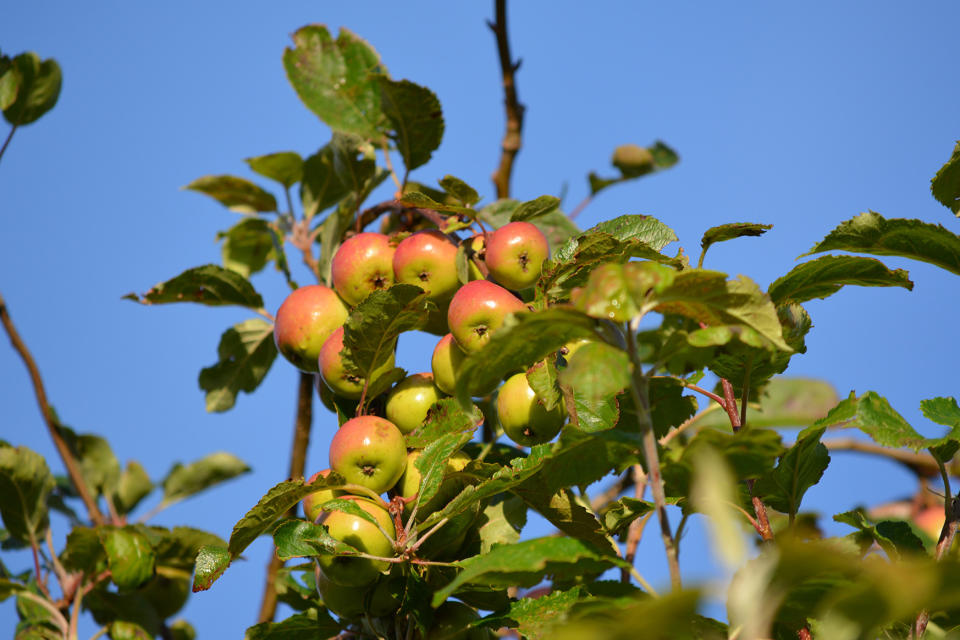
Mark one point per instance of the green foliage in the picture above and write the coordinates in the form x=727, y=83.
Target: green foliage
x=246, y=353
x=210, y=285
x=732, y=231
x=826, y=275
x=654, y=158
x=129, y=555
x=184, y=481
x=25, y=483
x=946, y=184
x=235, y=193
x=415, y=117
x=798, y=469
x=29, y=87
x=285, y=167
x=247, y=246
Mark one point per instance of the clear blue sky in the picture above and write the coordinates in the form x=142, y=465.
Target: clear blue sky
x=797, y=115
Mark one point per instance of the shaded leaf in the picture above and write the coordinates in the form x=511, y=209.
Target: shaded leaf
x=211, y=562
x=98, y=465
x=83, y=552
x=826, y=275
x=714, y=494
x=597, y=371
x=236, y=194
x=444, y=417
x=179, y=547
x=501, y=522
x=9, y=82
x=634, y=161
x=354, y=161
x=536, y=618
x=133, y=486
x=246, y=352
x=286, y=167
x=594, y=415
x=732, y=231
x=210, y=285
x=895, y=537
x=531, y=209
x=785, y=402
x=247, y=246
x=945, y=186
x=25, y=483
x=371, y=330
x=331, y=234
x=320, y=187
x=798, y=469
x=129, y=555
x=460, y=190
x=302, y=539
x=37, y=88
x=184, y=481
x=310, y=625
x=415, y=118
x=422, y=200
x=669, y=617
x=543, y=379
x=618, y=516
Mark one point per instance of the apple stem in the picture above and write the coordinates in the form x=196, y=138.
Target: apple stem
x=433, y=530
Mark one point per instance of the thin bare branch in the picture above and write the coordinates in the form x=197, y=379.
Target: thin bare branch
x=921, y=464
x=512, y=138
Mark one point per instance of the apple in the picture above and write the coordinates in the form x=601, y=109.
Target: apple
x=515, y=253
x=477, y=310
x=572, y=347
x=352, y=571
x=313, y=502
x=522, y=415
x=385, y=597
x=428, y=259
x=450, y=622
x=409, y=483
x=930, y=520
x=369, y=451
x=362, y=265
x=446, y=362
x=335, y=376
x=345, y=602
x=304, y=322
x=409, y=401
x=476, y=249
x=633, y=160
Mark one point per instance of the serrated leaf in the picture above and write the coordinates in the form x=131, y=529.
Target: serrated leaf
x=826, y=275
x=523, y=338
x=531, y=209
x=501, y=522
x=98, y=465
x=526, y=563
x=337, y=79
x=432, y=463
x=133, y=486
x=621, y=292
x=246, y=352
x=247, y=246
x=895, y=537
x=320, y=187
x=415, y=118
x=211, y=562
x=872, y=414
x=235, y=193
x=286, y=167
x=302, y=539
x=943, y=411
x=731, y=231
x=618, y=516
x=597, y=371
x=444, y=417
x=184, y=481
x=797, y=470
x=129, y=555
x=178, y=548
x=591, y=416
x=349, y=507
x=945, y=186
x=25, y=483
x=37, y=88
x=460, y=190
x=371, y=330
x=543, y=378
x=536, y=618
x=423, y=201
x=310, y=625
x=210, y=285
x=83, y=551
x=872, y=233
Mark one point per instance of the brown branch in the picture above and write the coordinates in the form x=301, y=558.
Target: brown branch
x=298, y=460
x=73, y=469
x=512, y=140
x=7, y=141
x=635, y=533
x=921, y=464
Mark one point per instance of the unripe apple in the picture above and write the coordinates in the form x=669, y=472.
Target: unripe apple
x=409, y=401
x=445, y=363
x=304, y=322
x=369, y=451
x=450, y=622
x=522, y=415
x=409, y=483
x=345, y=602
x=515, y=253
x=385, y=597
x=362, y=265
x=572, y=347
x=930, y=520
x=335, y=376
x=313, y=502
x=476, y=249
x=352, y=571
x=477, y=310
x=428, y=259
x=633, y=160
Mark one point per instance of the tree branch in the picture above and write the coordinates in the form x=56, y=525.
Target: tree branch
x=512, y=140
x=921, y=464
x=7, y=141
x=73, y=469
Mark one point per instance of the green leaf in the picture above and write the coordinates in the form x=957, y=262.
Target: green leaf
x=872, y=233
x=732, y=231
x=37, y=88
x=543, y=378
x=128, y=606
x=618, y=516
x=423, y=201
x=247, y=246
x=621, y=292
x=178, y=548
x=872, y=414
x=302, y=539
x=942, y=411
x=785, y=402
x=181, y=630
x=536, y=618
x=10, y=80
x=212, y=561
x=349, y=507
x=371, y=330
x=945, y=186
x=133, y=486
x=236, y=194
x=320, y=187
x=668, y=406
x=210, y=285
x=184, y=481
x=336, y=79
x=826, y=275
x=98, y=465
x=382, y=382
x=714, y=494
x=634, y=161
x=432, y=463
x=895, y=537
x=354, y=161
x=460, y=190
x=591, y=416
x=25, y=483
x=415, y=118
x=501, y=522
x=8, y=588
x=798, y=469
x=646, y=229
x=526, y=563
x=597, y=371
x=310, y=625
x=129, y=555
x=126, y=630
x=331, y=234
x=523, y=338
x=286, y=167
x=535, y=208
x=444, y=417
x=246, y=353
x=669, y=617
x=83, y=552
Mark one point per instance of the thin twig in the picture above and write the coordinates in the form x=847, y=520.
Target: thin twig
x=7, y=141
x=635, y=533
x=41, y=580
x=921, y=464
x=429, y=533
x=46, y=604
x=58, y=569
x=512, y=140
x=73, y=469
x=75, y=615
x=580, y=207
x=393, y=174
x=951, y=508
x=699, y=390
x=688, y=423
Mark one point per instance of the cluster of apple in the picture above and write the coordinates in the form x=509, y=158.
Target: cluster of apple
x=370, y=451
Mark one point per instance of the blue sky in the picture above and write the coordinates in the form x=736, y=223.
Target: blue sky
x=797, y=115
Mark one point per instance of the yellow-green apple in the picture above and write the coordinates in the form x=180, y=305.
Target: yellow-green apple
x=313, y=501
x=363, y=535
x=476, y=248
x=477, y=310
x=428, y=259
x=633, y=160
x=451, y=620
x=445, y=363
x=362, y=265
x=345, y=602
x=369, y=451
x=304, y=322
x=409, y=401
x=515, y=253
x=335, y=376
x=930, y=520
x=522, y=415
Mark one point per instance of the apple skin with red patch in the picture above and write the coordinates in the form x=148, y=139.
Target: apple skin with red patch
x=363, y=264
x=428, y=259
x=334, y=374
x=369, y=451
x=307, y=317
x=477, y=310
x=515, y=253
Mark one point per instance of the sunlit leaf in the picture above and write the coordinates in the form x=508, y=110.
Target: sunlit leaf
x=945, y=186
x=210, y=285
x=246, y=353
x=826, y=275
x=286, y=167
x=236, y=194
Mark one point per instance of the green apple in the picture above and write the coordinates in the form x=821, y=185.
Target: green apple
x=345, y=602
x=445, y=363
x=475, y=247
x=515, y=254
x=313, y=502
x=409, y=401
x=352, y=571
x=335, y=376
x=409, y=483
x=363, y=264
x=633, y=160
x=477, y=310
x=450, y=622
x=369, y=451
x=522, y=415
x=304, y=322
x=428, y=259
